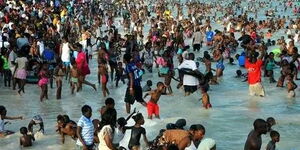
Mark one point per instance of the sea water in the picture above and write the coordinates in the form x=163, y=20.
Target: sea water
x=228, y=122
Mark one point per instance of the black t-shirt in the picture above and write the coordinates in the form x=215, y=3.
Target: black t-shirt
x=136, y=136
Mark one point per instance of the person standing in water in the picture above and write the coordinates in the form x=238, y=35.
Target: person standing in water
x=25, y=139
x=134, y=90
x=59, y=74
x=83, y=68
x=254, y=141
x=152, y=106
x=253, y=65
x=85, y=129
x=43, y=82
x=136, y=131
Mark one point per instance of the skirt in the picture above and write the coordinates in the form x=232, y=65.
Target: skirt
x=21, y=74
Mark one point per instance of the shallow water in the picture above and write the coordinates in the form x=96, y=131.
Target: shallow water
x=228, y=122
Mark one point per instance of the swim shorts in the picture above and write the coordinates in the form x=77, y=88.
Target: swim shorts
x=138, y=95
x=152, y=108
x=190, y=89
x=43, y=81
x=74, y=80
x=256, y=89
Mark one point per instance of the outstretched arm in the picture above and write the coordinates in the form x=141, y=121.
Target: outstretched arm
x=134, y=111
x=13, y=118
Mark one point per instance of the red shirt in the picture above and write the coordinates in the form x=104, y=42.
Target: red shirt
x=254, y=71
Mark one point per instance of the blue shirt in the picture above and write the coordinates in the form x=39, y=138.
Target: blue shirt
x=87, y=131
x=209, y=36
x=132, y=68
x=241, y=60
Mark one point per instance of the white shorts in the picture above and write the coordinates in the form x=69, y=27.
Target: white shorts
x=256, y=89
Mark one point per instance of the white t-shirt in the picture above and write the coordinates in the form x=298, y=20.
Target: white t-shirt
x=1, y=124
x=65, y=54
x=11, y=58
x=197, y=37
x=118, y=136
x=106, y=130
x=188, y=79
x=41, y=47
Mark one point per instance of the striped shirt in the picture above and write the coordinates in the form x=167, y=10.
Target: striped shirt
x=87, y=131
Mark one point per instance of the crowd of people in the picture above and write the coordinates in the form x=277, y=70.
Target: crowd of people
x=56, y=40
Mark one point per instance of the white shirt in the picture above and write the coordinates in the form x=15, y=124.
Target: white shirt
x=118, y=136
x=65, y=54
x=188, y=79
x=1, y=124
x=106, y=130
x=191, y=147
x=41, y=47
x=197, y=37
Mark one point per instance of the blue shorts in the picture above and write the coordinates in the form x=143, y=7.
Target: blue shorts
x=66, y=64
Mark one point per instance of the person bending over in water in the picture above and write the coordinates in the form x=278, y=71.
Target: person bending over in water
x=181, y=138
x=147, y=87
x=152, y=106
x=275, y=138
x=254, y=138
x=3, y=116
x=36, y=120
x=25, y=139
x=65, y=126
x=136, y=131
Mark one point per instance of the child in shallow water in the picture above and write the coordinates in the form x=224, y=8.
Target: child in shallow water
x=275, y=137
x=3, y=116
x=43, y=82
x=25, y=139
x=291, y=86
x=205, y=97
x=136, y=131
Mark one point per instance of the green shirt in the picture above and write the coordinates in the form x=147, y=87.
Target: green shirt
x=5, y=63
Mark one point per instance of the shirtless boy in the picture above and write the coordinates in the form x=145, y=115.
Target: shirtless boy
x=152, y=106
x=26, y=140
